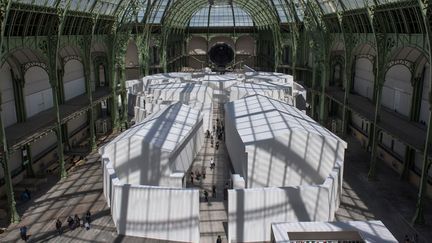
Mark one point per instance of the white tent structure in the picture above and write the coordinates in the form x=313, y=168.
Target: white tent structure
x=291, y=166
x=197, y=96
x=155, y=151
x=144, y=169
x=279, y=91
x=273, y=144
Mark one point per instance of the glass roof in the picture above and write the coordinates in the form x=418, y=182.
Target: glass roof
x=221, y=15
x=196, y=12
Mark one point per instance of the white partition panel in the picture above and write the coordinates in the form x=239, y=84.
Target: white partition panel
x=252, y=211
x=37, y=91
x=74, y=82
x=364, y=78
x=397, y=90
x=152, y=212
x=8, y=113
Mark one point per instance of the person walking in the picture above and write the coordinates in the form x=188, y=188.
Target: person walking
x=192, y=176
x=214, y=191
x=206, y=195
x=88, y=217
x=71, y=223
x=219, y=239
x=212, y=164
x=77, y=221
x=23, y=232
x=59, y=227
x=203, y=172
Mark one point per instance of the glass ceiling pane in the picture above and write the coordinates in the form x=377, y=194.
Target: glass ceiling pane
x=221, y=15
x=200, y=18
x=329, y=6
x=281, y=11
x=158, y=11
x=242, y=18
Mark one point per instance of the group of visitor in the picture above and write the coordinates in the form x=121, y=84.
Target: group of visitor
x=75, y=222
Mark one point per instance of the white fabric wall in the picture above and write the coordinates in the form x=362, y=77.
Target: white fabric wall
x=138, y=162
x=37, y=91
x=8, y=113
x=76, y=123
x=398, y=147
x=292, y=159
x=252, y=211
x=424, y=110
x=42, y=144
x=397, y=90
x=235, y=147
x=74, y=82
x=364, y=78
x=152, y=212
x=183, y=157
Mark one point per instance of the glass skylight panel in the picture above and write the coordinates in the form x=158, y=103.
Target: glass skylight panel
x=281, y=11
x=328, y=6
x=157, y=14
x=200, y=19
x=221, y=16
x=354, y=4
x=241, y=17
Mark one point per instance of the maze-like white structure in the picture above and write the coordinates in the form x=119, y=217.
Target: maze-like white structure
x=287, y=167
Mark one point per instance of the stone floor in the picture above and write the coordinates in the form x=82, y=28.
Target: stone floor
x=213, y=214
x=386, y=199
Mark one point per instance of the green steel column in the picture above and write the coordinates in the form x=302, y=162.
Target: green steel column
x=87, y=74
x=113, y=71
x=419, y=214
x=323, y=110
x=376, y=130
x=27, y=159
x=13, y=214
x=63, y=173
x=408, y=161
x=123, y=93
x=18, y=86
x=417, y=84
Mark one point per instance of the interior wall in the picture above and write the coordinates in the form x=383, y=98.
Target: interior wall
x=75, y=124
x=364, y=78
x=8, y=112
x=397, y=90
x=227, y=40
x=40, y=146
x=74, y=81
x=37, y=91
x=197, y=47
x=132, y=61
x=245, y=45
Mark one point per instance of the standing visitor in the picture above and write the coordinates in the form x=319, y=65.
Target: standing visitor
x=23, y=233
x=59, y=227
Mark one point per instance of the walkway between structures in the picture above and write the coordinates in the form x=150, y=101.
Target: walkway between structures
x=213, y=214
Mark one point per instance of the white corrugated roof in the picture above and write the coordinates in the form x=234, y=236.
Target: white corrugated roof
x=164, y=129
x=259, y=117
